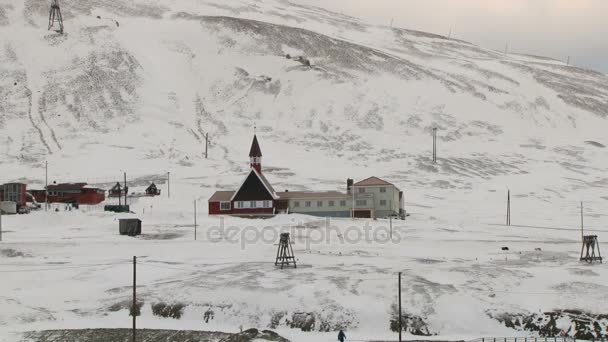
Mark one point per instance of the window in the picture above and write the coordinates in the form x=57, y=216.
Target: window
x=308, y=203
x=251, y=204
x=382, y=189
x=361, y=190
x=343, y=203
x=331, y=203
x=243, y=205
x=361, y=202
x=296, y=204
x=319, y=204
x=267, y=204
x=383, y=203
x=224, y=205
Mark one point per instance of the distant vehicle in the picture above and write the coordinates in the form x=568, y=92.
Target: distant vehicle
x=23, y=210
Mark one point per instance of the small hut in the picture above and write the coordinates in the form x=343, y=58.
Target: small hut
x=152, y=190
x=118, y=190
x=131, y=226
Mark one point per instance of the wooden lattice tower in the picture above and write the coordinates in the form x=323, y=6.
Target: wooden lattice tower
x=590, y=246
x=55, y=16
x=285, y=252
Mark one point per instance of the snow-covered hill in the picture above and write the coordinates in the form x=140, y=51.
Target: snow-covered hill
x=135, y=85
x=142, y=82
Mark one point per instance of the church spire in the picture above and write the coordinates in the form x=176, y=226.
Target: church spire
x=255, y=155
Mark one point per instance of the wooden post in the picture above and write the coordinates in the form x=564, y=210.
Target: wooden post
x=0, y=225
x=194, y=220
x=206, y=144
x=508, y=207
x=400, y=307
x=46, y=185
x=390, y=220
x=434, y=144
x=582, y=229
x=134, y=297
x=125, y=188
x=169, y=184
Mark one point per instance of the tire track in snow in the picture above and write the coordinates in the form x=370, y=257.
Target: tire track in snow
x=53, y=135
x=36, y=127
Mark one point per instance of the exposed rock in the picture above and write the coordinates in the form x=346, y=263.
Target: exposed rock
x=572, y=323
x=255, y=335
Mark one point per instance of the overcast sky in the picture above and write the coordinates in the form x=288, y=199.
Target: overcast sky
x=552, y=28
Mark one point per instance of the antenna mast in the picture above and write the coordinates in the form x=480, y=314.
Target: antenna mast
x=55, y=16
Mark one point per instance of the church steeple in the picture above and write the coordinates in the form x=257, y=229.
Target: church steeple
x=255, y=155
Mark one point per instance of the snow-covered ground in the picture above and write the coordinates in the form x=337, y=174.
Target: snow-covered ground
x=67, y=269
x=134, y=85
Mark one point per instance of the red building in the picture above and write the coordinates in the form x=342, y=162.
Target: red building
x=79, y=193
x=255, y=195
x=14, y=192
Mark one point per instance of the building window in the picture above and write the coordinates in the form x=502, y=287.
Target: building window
x=361, y=202
x=307, y=203
x=383, y=203
x=343, y=203
x=267, y=204
x=251, y=204
x=361, y=190
x=319, y=204
x=382, y=189
x=245, y=204
x=224, y=205
x=296, y=204
x=331, y=203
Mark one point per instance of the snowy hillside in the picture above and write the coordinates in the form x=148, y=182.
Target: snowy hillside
x=135, y=85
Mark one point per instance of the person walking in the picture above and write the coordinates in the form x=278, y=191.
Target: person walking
x=341, y=336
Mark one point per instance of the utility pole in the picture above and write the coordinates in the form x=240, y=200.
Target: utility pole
x=126, y=190
x=206, y=144
x=353, y=191
x=400, y=307
x=390, y=220
x=168, y=184
x=508, y=207
x=134, y=296
x=434, y=144
x=194, y=220
x=46, y=185
x=582, y=229
x=0, y=225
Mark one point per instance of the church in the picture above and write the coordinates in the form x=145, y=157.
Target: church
x=368, y=198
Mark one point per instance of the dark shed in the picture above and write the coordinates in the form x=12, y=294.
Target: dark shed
x=131, y=226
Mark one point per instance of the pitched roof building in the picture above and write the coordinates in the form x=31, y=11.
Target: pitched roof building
x=371, y=197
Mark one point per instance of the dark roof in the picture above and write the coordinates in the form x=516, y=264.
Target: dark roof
x=371, y=181
x=223, y=196
x=265, y=181
x=310, y=194
x=66, y=186
x=255, y=148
